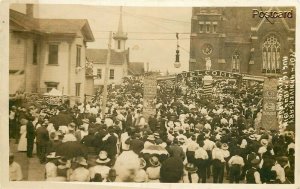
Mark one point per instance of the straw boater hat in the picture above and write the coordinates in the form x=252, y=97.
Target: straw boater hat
x=156, y=135
x=52, y=155
x=181, y=140
x=251, y=130
x=62, y=160
x=142, y=163
x=264, y=142
x=103, y=158
x=171, y=124
x=224, y=146
x=86, y=121
x=255, y=161
x=151, y=137
x=191, y=168
x=82, y=161
x=154, y=161
x=252, y=137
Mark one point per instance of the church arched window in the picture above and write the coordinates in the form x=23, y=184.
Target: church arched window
x=236, y=61
x=271, y=55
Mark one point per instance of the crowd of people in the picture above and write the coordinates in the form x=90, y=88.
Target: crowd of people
x=191, y=138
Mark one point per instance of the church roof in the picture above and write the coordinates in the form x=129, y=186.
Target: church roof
x=99, y=56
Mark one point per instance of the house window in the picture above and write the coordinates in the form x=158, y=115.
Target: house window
x=207, y=27
x=201, y=27
x=111, y=74
x=51, y=85
x=99, y=73
x=119, y=44
x=77, y=89
x=53, y=54
x=214, y=27
x=35, y=53
x=78, y=56
x=236, y=61
x=271, y=55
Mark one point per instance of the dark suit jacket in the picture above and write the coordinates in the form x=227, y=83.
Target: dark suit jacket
x=289, y=174
x=30, y=135
x=136, y=145
x=42, y=136
x=176, y=151
x=129, y=120
x=110, y=146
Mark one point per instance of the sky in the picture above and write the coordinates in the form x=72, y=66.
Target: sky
x=151, y=30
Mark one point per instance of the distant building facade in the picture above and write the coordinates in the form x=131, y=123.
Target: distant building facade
x=117, y=69
x=232, y=39
x=48, y=53
x=119, y=66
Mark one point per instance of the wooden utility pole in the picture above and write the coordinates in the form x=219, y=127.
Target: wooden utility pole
x=104, y=100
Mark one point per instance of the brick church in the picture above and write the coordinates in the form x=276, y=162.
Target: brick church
x=235, y=40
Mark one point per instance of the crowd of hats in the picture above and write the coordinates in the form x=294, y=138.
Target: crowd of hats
x=229, y=118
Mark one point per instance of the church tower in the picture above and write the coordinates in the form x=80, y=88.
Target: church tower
x=120, y=37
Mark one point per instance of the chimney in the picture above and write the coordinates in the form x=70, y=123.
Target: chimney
x=29, y=10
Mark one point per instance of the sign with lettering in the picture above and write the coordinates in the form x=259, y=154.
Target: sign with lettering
x=269, y=120
x=291, y=120
x=54, y=100
x=285, y=89
x=215, y=73
x=149, y=99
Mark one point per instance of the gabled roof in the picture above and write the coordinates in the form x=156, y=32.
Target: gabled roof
x=23, y=20
x=50, y=26
x=136, y=68
x=99, y=56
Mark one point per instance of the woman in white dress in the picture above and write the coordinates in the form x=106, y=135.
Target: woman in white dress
x=22, y=146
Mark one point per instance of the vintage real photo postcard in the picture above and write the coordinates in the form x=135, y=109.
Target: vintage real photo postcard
x=150, y=94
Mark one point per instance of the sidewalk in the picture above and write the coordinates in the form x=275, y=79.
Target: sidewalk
x=31, y=168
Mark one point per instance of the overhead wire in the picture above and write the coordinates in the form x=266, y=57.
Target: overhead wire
x=146, y=38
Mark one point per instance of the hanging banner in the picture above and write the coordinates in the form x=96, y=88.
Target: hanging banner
x=216, y=73
x=150, y=92
x=280, y=100
x=268, y=119
x=54, y=100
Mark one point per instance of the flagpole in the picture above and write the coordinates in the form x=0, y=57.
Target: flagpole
x=104, y=100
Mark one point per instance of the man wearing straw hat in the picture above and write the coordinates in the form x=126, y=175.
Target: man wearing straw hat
x=141, y=175
x=253, y=175
x=190, y=173
x=81, y=173
x=101, y=166
x=153, y=171
x=51, y=167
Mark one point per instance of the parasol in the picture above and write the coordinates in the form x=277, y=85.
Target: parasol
x=156, y=150
x=72, y=149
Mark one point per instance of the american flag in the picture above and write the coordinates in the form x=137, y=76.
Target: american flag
x=207, y=89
